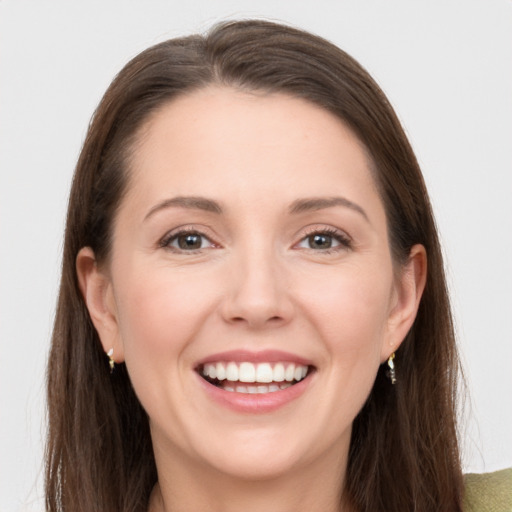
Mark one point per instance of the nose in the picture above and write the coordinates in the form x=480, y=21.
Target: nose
x=257, y=295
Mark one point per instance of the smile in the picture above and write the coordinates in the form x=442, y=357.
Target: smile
x=253, y=378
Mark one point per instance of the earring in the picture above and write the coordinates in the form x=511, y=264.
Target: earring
x=391, y=372
x=111, y=361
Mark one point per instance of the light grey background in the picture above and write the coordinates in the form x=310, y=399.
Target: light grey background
x=447, y=68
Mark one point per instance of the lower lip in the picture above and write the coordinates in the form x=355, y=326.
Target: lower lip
x=257, y=403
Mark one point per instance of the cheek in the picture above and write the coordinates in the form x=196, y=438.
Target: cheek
x=355, y=300
x=158, y=315
x=350, y=310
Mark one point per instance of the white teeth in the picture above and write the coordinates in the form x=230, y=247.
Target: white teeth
x=289, y=373
x=221, y=371
x=255, y=390
x=232, y=372
x=263, y=373
x=209, y=370
x=279, y=372
x=246, y=372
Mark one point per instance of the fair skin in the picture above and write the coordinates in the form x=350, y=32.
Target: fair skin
x=251, y=232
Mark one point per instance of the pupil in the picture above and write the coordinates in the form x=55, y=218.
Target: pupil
x=189, y=241
x=320, y=241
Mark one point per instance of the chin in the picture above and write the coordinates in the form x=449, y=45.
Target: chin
x=264, y=453
x=253, y=465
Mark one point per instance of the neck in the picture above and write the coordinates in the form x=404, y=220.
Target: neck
x=316, y=487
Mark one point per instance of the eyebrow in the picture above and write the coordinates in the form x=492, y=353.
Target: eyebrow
x=320, y=203
x=298, y=206
x=190, y=202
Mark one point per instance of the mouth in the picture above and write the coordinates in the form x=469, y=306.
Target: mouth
x=253, y=378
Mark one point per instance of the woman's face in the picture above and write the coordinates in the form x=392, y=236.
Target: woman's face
x=250, y=290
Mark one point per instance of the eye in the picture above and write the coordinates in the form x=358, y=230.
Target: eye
x=324, y=240
x=186, y=241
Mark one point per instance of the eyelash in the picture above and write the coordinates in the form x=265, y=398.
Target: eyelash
x=344, y=241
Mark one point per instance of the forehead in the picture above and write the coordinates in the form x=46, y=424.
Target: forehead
x=223, y=114
x=222, y=141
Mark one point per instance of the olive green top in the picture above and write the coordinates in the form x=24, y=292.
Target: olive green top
x=488, y=492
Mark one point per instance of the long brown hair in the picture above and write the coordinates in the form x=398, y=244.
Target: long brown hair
x=404, y=452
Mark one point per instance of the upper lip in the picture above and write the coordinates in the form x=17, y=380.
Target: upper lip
x=264, y=356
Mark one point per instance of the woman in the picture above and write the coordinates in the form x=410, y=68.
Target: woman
x=245, y=319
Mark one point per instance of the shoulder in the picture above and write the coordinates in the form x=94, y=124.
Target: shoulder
x=488, y=492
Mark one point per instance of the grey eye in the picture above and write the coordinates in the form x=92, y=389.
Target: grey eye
x=320, y=241
x=189, y=241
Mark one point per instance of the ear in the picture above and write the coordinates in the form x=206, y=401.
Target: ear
x=407, y=294
x=96, y=288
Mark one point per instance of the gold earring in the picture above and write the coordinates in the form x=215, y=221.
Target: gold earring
x=391, y=372
x=111, y=361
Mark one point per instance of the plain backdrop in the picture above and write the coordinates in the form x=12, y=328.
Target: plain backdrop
x=446, y=67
